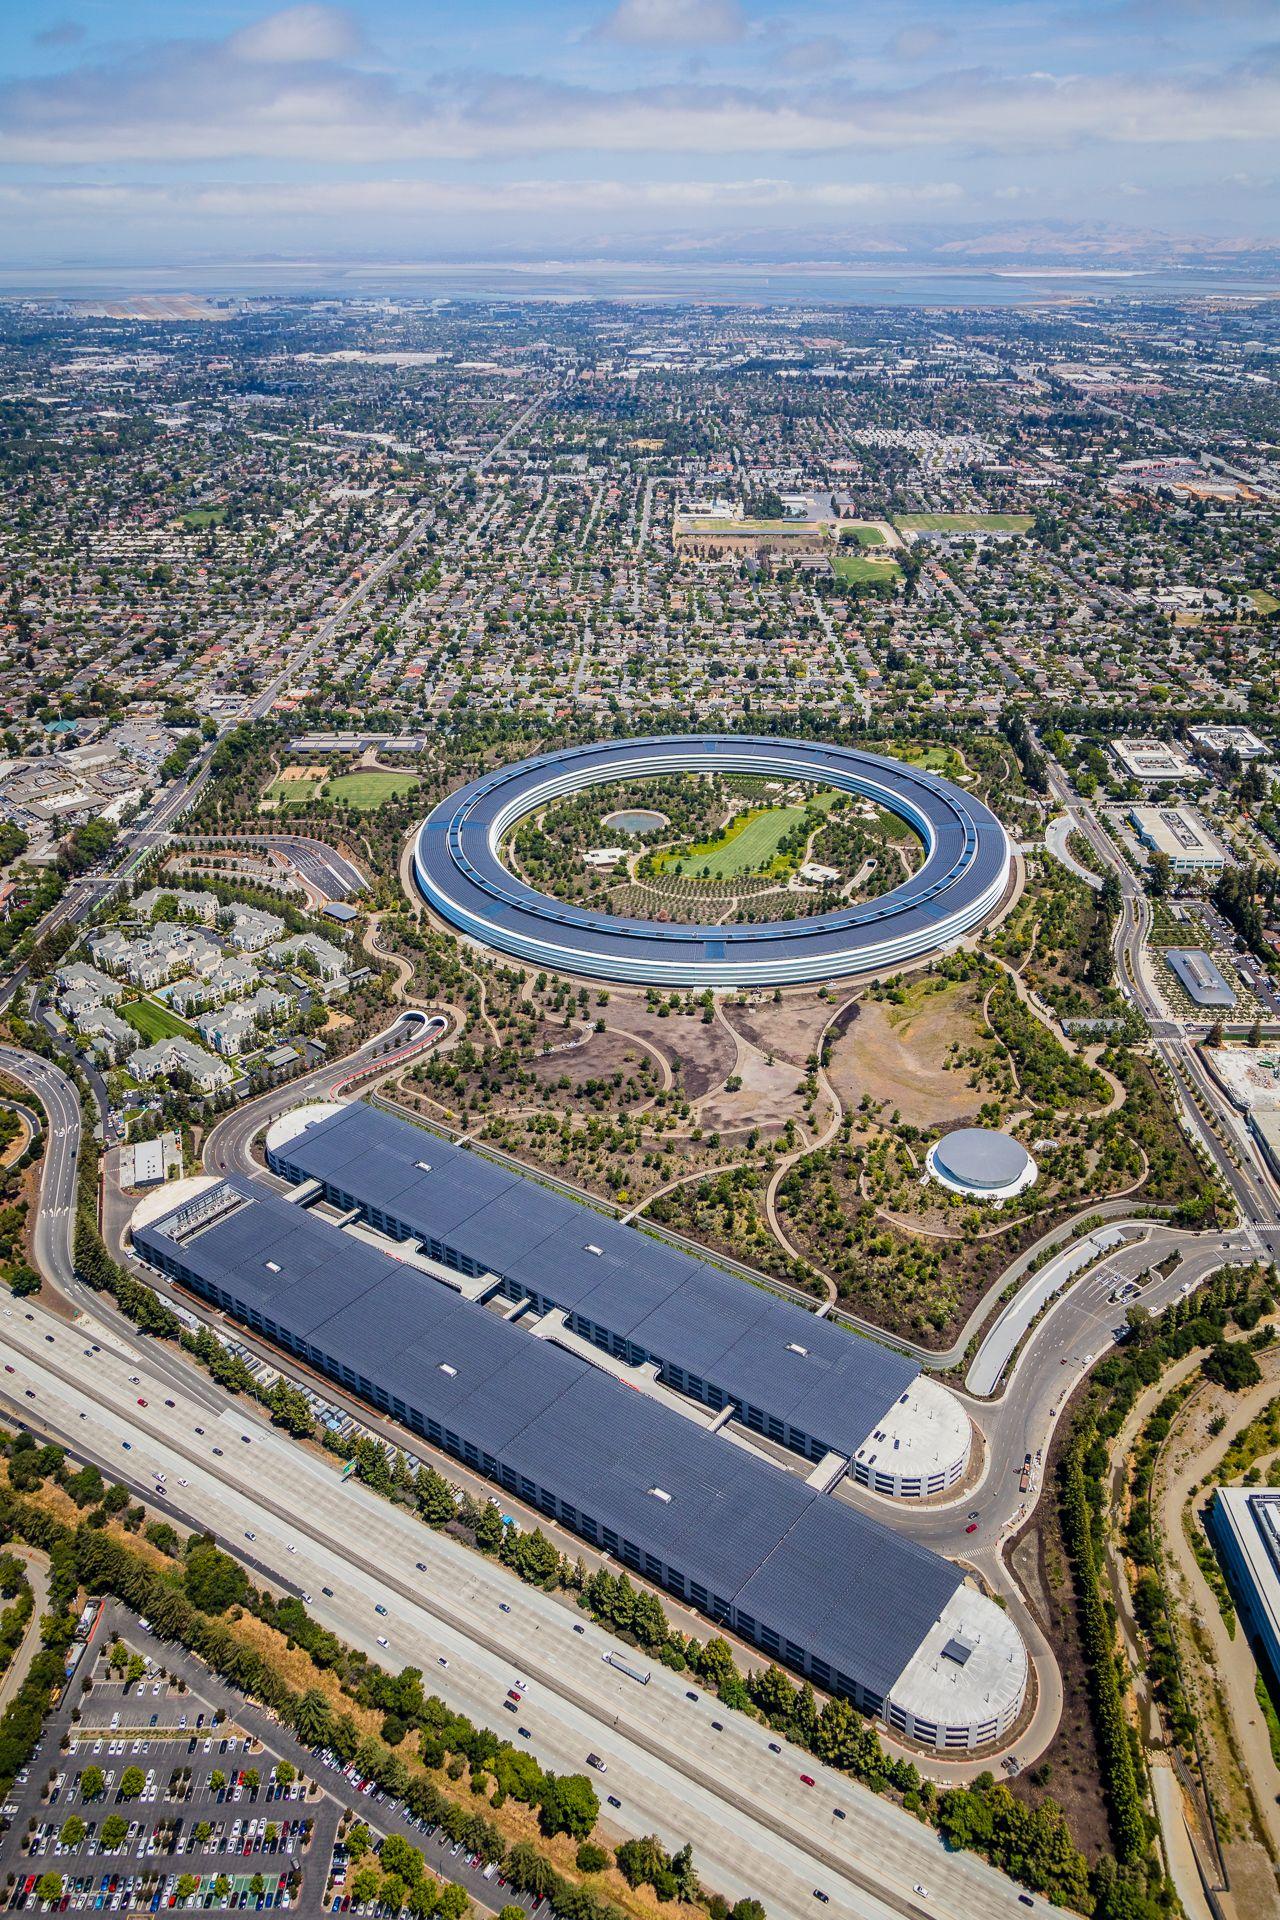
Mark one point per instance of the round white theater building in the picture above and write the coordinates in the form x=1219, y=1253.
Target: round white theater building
x=981, y=1163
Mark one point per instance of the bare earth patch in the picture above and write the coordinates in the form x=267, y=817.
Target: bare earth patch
x=896, y=1054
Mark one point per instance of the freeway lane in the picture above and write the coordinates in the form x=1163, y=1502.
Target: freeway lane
x=753, y=1823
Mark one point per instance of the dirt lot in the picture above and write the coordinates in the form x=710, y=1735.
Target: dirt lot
x=703, y=1052
x=897, y=1053
x=788, y=1029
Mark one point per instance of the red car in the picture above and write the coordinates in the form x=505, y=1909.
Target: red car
x=141, y=1401
x=808, y=1779
x=972, y=1527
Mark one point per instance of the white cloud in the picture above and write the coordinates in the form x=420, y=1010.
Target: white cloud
x=281, y=91
x=680, y=23
x=296, y=35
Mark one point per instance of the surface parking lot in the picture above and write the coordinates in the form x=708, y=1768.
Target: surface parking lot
x=143, y=1795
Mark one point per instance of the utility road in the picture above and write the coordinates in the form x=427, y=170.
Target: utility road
x=756, y=1826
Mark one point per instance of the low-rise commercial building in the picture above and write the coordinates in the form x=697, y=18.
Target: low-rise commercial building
x=1180, y=836
x=1203, y=980
x=1245, y=1525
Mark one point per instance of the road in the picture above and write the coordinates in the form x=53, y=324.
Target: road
x=1241, y=1171
x=756, y=1827
x=55, y=1212
x=326, y=873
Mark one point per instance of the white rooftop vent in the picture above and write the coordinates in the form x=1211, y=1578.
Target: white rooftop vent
x=593, y=1248
x=273, y=1266
x=423, y=1166
x=446, y=1368
x=793, y=1346
x=660, y=1493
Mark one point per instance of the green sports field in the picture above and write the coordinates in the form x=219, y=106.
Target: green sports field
x=853, y=567
x=295, y=793
x=964, y=523
x=863, y=532
x=365, y=791
x=155, y=1022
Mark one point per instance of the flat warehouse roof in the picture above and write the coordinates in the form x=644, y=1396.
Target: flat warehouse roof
x=823, y=1575
x=833, y=1385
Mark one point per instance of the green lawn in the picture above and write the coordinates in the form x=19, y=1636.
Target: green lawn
x=204, y=517
x=155, y=1022
x=749, y=844
x=295, y=793
x=964, y=523
x=865, y=534
x=935, y=760
x=368, y=790
x=1264, y=602
x=852, y=566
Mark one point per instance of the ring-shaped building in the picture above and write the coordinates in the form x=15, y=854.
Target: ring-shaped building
x=459, y=869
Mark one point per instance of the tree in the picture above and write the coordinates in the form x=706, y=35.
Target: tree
x=569, y=1805
x=286, y=1773
x=398, y=1857
x=72, y=1832
x=1159, y=872
x=115, y=1830
x=453, y=1903
x=366, y=1885
x=257, y=1885
x=132, y=1781
x=313, y=1719
x=213, y=1580
x=187, y=1884
x=92, y=1783
x=435, y=1497
x=49, y=1886
x=1232, y=1365
x=217, y=1780
x=23, y=1281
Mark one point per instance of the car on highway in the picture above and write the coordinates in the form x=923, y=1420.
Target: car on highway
x=594, y=1760
x=808, y=1780
x=613, y=1800
x=218, y=1450
x=141, y=1401
x=825, y=1898
x=379, y=1608
x=383, y=1641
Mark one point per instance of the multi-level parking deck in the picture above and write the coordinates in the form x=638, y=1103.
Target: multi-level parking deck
x=458, y=867
x=803, y=1576
x=796, y=1379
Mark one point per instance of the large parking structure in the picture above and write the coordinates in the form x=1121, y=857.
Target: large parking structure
x=459, y=869
x=757, y=1548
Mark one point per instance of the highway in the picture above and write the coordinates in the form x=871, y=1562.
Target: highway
x=756, y=1826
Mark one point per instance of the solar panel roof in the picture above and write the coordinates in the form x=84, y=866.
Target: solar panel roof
x=817, y=1571
x=761, y=1351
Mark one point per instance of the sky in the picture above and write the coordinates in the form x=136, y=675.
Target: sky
x=143, y=131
